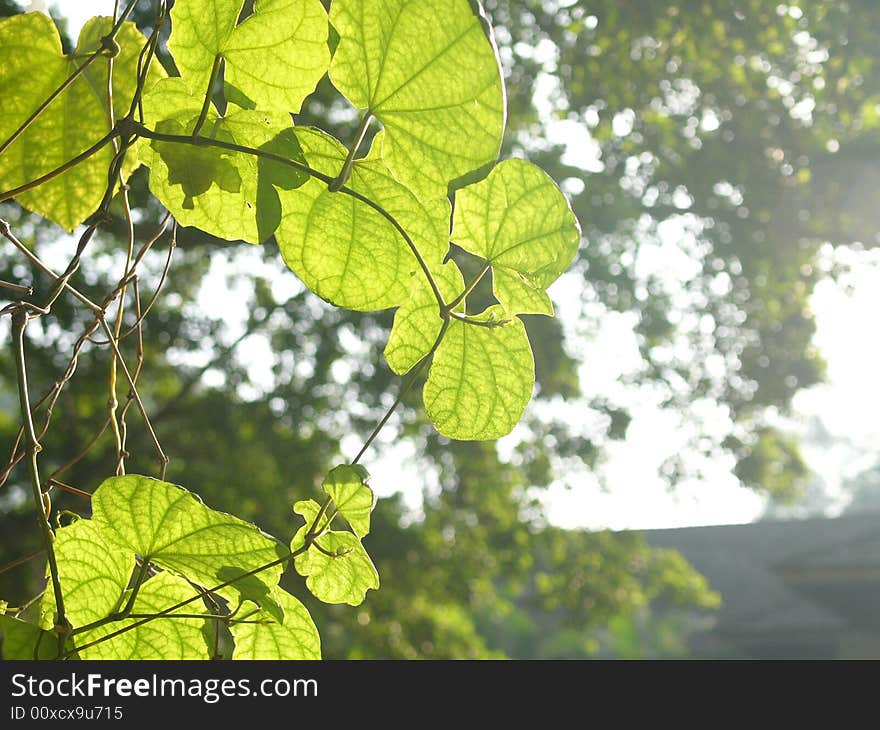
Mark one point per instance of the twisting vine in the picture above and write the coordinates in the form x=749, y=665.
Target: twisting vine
x=365, y=232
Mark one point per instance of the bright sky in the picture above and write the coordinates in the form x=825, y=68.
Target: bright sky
x=635, y=497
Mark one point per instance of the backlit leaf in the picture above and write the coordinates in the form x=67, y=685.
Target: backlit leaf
x=342, y=576
x=168, y=525
x=296, y=637
x=344, y=250
x=521, y=223
x=32, y=66
x=347, y=486
x=166, y=637
x=429, y=71
x=481, y=378
x=274, y=58
x=229, y=194
x=93, y=574
x=417, y=322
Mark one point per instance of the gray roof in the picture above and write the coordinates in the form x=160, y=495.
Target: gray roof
x=786, y=581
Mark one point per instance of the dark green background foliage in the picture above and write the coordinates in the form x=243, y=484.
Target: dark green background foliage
x=707, y=90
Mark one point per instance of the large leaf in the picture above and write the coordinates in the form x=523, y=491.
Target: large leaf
x=168, y=525
x=347, y=486
x=521, y=223
x=167, y=637
x=32, y=66
x=273, y=59
x=228, y=194
x=481, y=378
x=262, y=637
x=340, y=571
x=429, y=71
x=417, y=322
x=93, y=574
x=344, y=250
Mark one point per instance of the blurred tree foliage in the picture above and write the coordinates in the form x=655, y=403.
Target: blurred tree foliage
x=741, y=134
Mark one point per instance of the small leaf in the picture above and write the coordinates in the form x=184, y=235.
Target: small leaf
x=521, y=223
x=228, y=194
x=309, y=509
x=428, y=70
x=481, y=378
x=347, y=487
x=296, y=637
x=274, y=58
x=168, y=525
x=417, y=323
x=21, y=639
x=93, y=575
x=32, y=66
x=344, y=250
x=343, y=576
x=162, y=638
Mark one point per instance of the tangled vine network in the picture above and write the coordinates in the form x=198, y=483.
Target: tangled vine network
x=152, y=572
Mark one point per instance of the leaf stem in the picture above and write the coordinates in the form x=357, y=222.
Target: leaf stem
x=347, y=166
x=138, y=582
x=411, y=379
x=205, y=616
x=203, y=114
x=468, y=289
x=324, y=550
x=490, y=324
x=145, y=58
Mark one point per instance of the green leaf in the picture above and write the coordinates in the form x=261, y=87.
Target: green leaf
x=481, y=378
x=296, y=637
x=93, y=574
x=168, y=525
x=32, y=67
x=417, y=323
x=228, y=194
x=429, y=71
x=162, y=638
x=274, y=58
x=21, y=639
x=521, y=223
x=343, y=576
x=344, y=250
x=347, y=487
x=171, y=98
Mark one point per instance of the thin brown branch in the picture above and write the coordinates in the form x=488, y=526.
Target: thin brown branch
x=61, y=169
x=68, y=488
x=19, y=324
x=22, y=560
x=82, y=452
x=162, y=458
